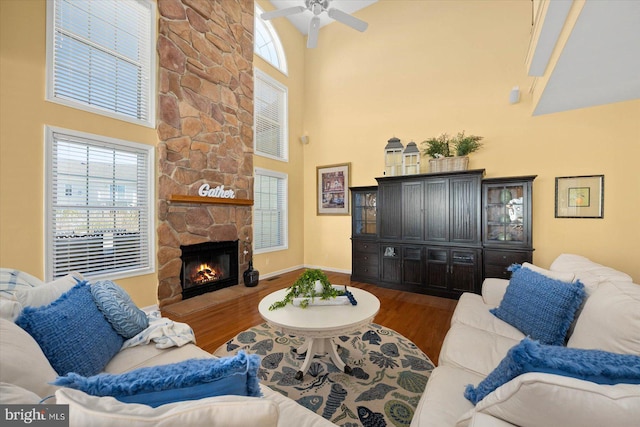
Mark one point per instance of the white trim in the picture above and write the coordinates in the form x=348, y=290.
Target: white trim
x=285, y=228
x=48, y=198
x=264, y=76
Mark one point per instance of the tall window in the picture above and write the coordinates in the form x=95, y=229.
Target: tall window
x=266, y=42
x=270, y=222
x=270, y=116
x=101, y=57
x=99, y=205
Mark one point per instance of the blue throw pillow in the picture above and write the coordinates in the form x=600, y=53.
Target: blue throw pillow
x=72, y=332
x=188, y=380
x=116, y=305
x=540, y=307
x=597, y=366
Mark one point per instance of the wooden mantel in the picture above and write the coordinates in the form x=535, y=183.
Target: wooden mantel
x=181, y=198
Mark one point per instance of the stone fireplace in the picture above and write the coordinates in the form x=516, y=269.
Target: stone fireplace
x=208, y=267
x=205, y=130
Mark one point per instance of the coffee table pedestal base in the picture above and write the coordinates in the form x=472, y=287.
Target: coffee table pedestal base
x=320, y=346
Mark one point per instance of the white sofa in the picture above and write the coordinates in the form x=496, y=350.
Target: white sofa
x=477, y=342
x=25, y=374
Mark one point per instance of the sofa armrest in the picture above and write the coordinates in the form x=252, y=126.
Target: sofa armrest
x=493, y=290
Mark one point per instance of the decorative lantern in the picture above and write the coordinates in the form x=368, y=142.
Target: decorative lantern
x=393, y=157
x=411, y=159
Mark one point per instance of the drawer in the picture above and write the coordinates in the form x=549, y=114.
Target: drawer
x=505, y=258
x=497, y=271
x=365, y=270
x=365, y=259
x=365, y=247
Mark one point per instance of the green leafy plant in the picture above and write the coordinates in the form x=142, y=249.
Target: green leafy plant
x=304, y=286
x=446, y=146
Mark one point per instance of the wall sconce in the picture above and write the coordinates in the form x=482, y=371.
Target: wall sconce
x=304, y=139
x=411, y=159
x=393, y=157
x=514, y=95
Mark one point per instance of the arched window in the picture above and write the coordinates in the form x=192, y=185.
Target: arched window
x=267, y=44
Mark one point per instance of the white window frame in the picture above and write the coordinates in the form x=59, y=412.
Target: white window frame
x=274, y=44
x=148, y=263
x=148, y=66
x=261, y=76
x=285, y=209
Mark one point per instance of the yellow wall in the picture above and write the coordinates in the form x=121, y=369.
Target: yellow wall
x=427, y=67
x=23, y=115
x=294, y=46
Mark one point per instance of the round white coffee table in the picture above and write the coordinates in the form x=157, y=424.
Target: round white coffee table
x=319, y=324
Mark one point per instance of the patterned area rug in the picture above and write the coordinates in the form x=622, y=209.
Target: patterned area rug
x=389, y=374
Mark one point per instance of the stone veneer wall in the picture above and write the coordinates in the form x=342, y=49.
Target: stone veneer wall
x=205, y=127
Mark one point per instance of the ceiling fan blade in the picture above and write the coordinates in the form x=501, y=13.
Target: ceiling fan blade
x=314, y=29
x=282, y=12
x=347, y=19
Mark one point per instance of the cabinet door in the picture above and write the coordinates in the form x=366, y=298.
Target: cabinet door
x=436, y=210
x=390, y=267
x=390, y=210
x=464, y=270
x=412, y=211
x=363, y=207
x=437, y=267
x=412, y=265
x=465, y=210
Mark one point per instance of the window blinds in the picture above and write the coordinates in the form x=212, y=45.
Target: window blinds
x=101, y=56
x=270, y=210
x=270, y=105
x=99, y=207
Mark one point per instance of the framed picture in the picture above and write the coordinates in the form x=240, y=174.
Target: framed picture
x=332, y=186
x=580, y=196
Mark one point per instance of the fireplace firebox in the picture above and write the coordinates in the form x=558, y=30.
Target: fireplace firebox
x=208, y=267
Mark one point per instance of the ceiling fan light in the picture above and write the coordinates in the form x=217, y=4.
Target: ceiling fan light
x=314, y=29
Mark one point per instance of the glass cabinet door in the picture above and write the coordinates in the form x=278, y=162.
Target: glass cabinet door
x=364, y=212
x=506, y=211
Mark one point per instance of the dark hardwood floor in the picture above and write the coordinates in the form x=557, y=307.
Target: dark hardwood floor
x=423, y=319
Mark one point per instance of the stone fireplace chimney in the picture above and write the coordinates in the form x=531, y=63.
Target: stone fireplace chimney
x=205, y=127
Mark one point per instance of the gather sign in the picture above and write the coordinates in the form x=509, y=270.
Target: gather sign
x=205, y=190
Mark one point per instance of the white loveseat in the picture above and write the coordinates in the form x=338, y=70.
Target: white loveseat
x=477, y=342
x=25, y=374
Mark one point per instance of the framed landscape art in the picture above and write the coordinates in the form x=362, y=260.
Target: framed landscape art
x=332, y=189
x=580, y=196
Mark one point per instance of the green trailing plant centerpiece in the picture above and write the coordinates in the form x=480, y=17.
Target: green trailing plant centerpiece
x=305, y=287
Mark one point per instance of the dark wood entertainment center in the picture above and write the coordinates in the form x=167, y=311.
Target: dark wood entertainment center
x=440, y=233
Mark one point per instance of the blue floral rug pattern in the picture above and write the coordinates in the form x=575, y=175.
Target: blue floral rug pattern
x=389, y=374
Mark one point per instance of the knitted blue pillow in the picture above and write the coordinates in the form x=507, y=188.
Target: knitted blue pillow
x=72, y=332
x=597, y=366
x=187, y=380
x=540, y=307
x=116, y=305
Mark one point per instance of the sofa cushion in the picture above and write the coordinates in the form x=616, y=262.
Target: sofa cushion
x=610, y=320
x=72, y=332
x=540, y=307
x=11, y=394
x=471, y=310
x=145, y=355
x=116, y=305
x=22, y=362
x=187, y=380
x=597, y=366
x=223, y=411
x=47, y=293
x=10, y=309
x=542, y=400
x=563, y=276
x=590, y=273
x=12, y=280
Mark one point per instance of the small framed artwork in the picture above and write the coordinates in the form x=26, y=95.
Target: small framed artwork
x=580, y=196
x=333, y=189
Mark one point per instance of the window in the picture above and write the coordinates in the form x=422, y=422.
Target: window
x=266, y=42
x=101, y=57
x=99, y=205
x=269, y=211
x=271, y=128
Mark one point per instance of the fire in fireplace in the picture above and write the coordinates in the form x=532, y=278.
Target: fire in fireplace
x=208, y=267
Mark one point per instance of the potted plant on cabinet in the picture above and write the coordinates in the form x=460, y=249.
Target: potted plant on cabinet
x=442, y=150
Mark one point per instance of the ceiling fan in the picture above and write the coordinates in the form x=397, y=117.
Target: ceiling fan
x=317, y=7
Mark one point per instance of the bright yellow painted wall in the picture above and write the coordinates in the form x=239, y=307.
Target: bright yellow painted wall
x=23, y=115
x=294, y=47
x=427, y=67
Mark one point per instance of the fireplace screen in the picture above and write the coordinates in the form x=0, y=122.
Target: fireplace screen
x=209, y=266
